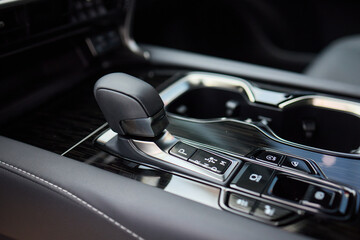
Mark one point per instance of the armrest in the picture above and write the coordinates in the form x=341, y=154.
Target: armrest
x=46, y=196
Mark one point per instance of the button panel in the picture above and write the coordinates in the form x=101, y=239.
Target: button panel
x=264, y=185
x=273, y=185
x=252, y=178
x=210, y=161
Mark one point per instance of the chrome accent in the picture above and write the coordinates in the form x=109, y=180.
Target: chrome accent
x=106, y=136
x=126, y=34
x=268, y=97
x=195, y=191
x=199, y=79
x=91, y=47
x=324, y=102
x=7, y=3
x=85, y=138
x=153, y=149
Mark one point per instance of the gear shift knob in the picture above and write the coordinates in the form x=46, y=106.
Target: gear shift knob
x=131, y=106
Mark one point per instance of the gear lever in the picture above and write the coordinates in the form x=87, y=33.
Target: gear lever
x=131, y=106
x=137, y=118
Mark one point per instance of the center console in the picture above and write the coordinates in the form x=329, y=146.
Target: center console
x=269, y=152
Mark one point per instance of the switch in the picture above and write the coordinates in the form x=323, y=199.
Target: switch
x=298, y=164
x=210, y=161
x=270, y=212
x=241, y=203
x=319, y=195
x=252, y=178
x=268, y=156
x=182, y=150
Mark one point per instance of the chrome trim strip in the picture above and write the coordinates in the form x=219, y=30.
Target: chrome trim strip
x=197, y=79
x=7, y=3
x=85, y=138
x=324, y=102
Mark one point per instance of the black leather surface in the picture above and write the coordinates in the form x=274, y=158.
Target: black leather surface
x=339, y=61
x=46, y=196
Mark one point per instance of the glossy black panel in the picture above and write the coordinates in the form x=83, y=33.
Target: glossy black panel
x=243, y=138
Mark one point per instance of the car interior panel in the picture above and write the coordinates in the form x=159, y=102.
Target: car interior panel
x=125, y=119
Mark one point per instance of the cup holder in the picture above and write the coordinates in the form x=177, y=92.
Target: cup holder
x=330, y=127
x=321, y=128
x=207, y=103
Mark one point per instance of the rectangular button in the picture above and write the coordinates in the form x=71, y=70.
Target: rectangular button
x=297, y=164
x=268, y=156
x=319, y=195
x=182, y=150
x=270, y=212
x=252, y=178
x=241, y=203
x=210, y=161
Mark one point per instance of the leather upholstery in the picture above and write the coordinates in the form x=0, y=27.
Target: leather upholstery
x=46, y=196
x=339, y=61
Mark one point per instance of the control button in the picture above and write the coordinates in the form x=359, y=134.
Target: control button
x=318, y=195
x=210, y=161
x=268, y=156
x=270, y=212
x=252, y=178
x=241, y=203
x=182, y=150
x=297, y=164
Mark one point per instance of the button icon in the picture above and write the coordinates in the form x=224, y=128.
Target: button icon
x=242, y=202
x=271, y=157
x=269, y=210
x=182, y=151
x=211, y=160
x=214, y=169
x=319, y=195
x=295, y=163
x=255, y=177
x=223, y=163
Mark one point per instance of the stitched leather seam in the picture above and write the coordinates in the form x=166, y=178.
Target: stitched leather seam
x=74, y=197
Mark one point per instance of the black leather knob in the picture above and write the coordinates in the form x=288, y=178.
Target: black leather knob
x=131, y=106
